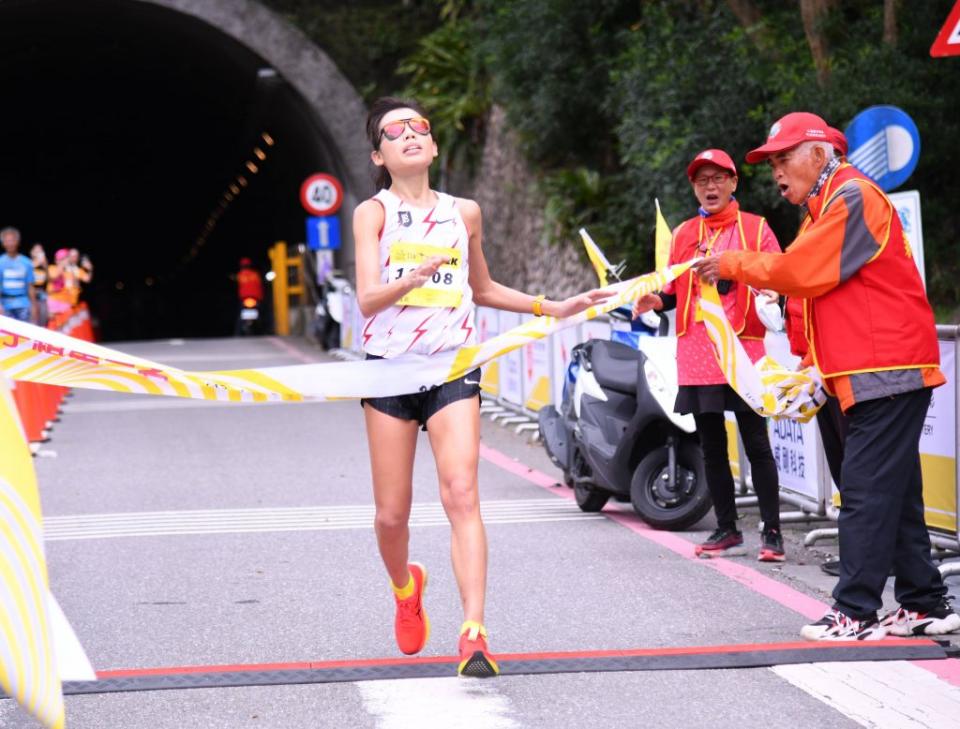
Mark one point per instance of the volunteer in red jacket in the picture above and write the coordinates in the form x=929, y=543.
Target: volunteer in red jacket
x=871, y=334
x=721, y=225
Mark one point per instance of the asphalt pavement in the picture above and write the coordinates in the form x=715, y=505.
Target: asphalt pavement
x=195, y=534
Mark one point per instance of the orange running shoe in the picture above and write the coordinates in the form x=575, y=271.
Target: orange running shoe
x=475, y=658
x=412, y=626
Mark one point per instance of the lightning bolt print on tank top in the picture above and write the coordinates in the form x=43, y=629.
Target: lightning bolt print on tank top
x=439, y=315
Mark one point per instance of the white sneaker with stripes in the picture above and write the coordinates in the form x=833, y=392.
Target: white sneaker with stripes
x=835, y=625
x=942, y=619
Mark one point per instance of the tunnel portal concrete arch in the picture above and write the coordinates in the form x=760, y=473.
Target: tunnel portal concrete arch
x=133, y=132
x=337, y=106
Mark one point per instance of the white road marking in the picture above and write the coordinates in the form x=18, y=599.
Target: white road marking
x=291, y=519
x=436, y=703
x=880, y=695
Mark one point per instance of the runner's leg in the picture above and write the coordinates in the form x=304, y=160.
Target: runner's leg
x=392, y=442
x=454, y=434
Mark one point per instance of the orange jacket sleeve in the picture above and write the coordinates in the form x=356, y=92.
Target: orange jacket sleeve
x=831, y=250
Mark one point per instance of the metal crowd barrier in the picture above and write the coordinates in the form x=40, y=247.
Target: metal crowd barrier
x=518, y=384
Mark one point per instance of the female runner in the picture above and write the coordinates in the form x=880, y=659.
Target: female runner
x=420, y=273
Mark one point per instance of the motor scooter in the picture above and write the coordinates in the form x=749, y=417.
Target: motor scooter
x=329, y=310
x=616, y=435
x=248, y=322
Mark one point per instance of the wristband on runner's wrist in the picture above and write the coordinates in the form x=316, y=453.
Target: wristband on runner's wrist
x=538, y=305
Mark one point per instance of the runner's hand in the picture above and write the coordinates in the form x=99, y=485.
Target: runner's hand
x=576, y=304
x=645, y=303
x=424, y=272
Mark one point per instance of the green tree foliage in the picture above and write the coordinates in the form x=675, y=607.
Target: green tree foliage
x=580, y=80
x=367, y=39
x=613, y=98
x=550, y=63
x=447, y=76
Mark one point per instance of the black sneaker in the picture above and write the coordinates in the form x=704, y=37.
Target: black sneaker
x=771, y=546
x=835, y=625
x=942, y=619
x=722, y=543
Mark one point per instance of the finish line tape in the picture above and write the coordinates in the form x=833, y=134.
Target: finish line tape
x=34, y=354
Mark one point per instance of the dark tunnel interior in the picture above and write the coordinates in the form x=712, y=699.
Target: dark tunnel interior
x=124, y=124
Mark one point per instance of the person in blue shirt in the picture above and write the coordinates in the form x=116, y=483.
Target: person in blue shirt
x=17, y=299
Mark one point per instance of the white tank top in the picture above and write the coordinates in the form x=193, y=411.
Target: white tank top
x=410, y=326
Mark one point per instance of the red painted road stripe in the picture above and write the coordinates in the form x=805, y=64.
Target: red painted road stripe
x=809, y=607
x=538, y=656
x=291, y=350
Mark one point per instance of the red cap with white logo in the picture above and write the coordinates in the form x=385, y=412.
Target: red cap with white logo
x=711, y=157
x=791, y=130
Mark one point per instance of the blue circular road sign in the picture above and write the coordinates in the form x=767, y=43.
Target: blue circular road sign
x=884, y=145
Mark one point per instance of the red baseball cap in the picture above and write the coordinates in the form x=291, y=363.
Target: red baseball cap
x=839, y=141
x=789, y=131
x=711, y=157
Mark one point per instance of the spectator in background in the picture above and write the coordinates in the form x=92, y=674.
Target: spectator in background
x=82, y=270
x=40, y=278
x=16, y=279
x=60, y=287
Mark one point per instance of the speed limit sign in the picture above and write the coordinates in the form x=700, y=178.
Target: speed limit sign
x=321, y=194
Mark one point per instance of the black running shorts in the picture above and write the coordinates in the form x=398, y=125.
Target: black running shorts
x=421, y=406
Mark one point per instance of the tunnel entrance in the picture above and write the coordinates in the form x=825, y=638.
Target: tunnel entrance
x=159, y=145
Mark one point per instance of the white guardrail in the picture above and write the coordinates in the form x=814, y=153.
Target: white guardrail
x=518, y=384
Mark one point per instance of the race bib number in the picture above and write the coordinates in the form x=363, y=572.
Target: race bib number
x=443, y=289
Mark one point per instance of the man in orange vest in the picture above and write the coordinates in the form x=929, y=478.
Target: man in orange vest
x=871, y=333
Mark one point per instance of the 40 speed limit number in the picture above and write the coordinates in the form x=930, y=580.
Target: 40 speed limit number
x=443, y=289
x=321, y=194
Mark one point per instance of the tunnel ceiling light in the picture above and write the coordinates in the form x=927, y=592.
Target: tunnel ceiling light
x=267, y=138
x=266, y=72
x=261, y=155
x=252, y=167
x=119, y=285
x=228, y=197
x=149, y=281
x=242, y=180
x=234, y=189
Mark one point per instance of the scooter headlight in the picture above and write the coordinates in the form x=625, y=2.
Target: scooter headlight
x=654, y=379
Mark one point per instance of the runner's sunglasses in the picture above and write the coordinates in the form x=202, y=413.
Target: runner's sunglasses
x=394, y=130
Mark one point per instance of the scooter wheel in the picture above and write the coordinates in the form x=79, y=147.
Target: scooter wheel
x=661, y=506
x=588, y=499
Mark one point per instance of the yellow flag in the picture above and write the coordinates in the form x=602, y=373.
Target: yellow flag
x=28, y=671
x=662, y=239
x=600, y=263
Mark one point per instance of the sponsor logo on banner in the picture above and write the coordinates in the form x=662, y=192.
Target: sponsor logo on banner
x=794, y=444
x=938, y=448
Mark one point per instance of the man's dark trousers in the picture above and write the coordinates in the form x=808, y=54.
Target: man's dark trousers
x=881, y=520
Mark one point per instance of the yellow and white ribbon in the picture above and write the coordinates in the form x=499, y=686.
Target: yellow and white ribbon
x=34, y=354
x=28, y=670
x=767, y=387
